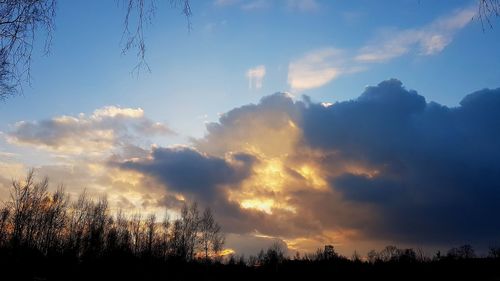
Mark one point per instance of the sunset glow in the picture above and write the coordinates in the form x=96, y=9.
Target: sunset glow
x=298, y=123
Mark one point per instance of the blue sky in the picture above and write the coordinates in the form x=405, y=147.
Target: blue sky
x=206, y=124
x=200, y=73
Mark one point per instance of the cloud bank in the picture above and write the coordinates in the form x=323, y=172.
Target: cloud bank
x=434, y=174
x=386, y=167
x=103, y=130
x=76, y=151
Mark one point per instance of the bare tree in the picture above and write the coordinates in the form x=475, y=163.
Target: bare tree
x=45, y=223
x=136, y=231
x=275, y=254
x=96, y=225
x=26, y=204
x=211, y=237
x=494, y=252
x=53, y=219
x=487, y=9
x=79, y=213
x=4, y=223
x=123, y=235
x=190, y=221
x=372, y=256
x=150, y=233
x=164, y=241
x=20, y=21
x=355, y=256
x=462, y=252
x=23, y=21
x=389, y=253
x=139, y=14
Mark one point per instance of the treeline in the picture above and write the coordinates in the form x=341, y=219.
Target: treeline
x=38, y=227
x=391, y=263
x=46, y=236
x=275, y=255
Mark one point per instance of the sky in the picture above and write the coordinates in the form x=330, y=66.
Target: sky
x=352, y=123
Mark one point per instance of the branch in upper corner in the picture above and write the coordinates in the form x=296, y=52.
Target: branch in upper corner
x=139, y=14
x=486, y=10
x=20, y=20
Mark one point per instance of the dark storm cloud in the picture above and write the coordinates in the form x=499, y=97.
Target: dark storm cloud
x=186, y=170
x=438, y=174
x=397, y=168
x=365, y=189
x=371, y=125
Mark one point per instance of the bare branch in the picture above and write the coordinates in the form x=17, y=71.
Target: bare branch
x=139, y=14
x=486, y=10
x=20, y=20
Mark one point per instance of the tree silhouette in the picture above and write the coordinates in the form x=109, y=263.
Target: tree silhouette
x=462, y=252
x=20, y=21
x=211, y=237
x=46, y=236
x=487, y=9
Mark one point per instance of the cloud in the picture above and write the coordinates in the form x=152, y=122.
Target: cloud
x=428, y=40
x=223, y=3
x=186, y=170
x=251, y=244
x=76, y=151
x=386, y=166
x=321, y=66
x=255, y=5
x=255, y=76
x=247, y=5
x=267, y=128
x=303, y=5
x=238, y=169
x=103, y=130
x=429, y=170
x=280, y=194
x=315, y=69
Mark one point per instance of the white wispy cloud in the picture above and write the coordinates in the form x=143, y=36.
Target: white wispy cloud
x=252, y=5
x=319, y=67
x=427, y=40
x=303, y=5
x=255, y=5
x=255, y=76
x=225, y=2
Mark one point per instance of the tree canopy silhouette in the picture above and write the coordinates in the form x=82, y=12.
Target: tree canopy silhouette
x=20, y=21
x=44, y=235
